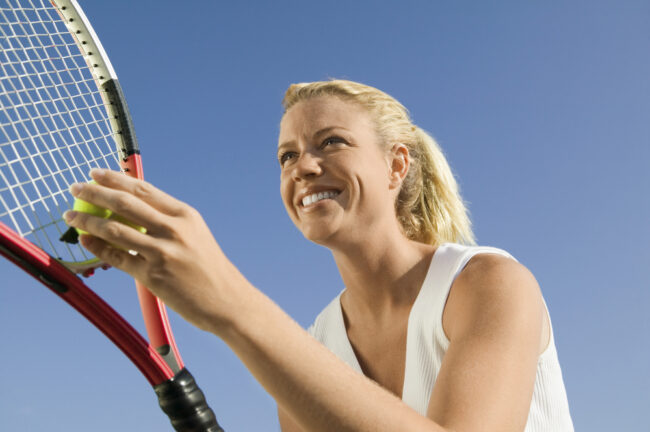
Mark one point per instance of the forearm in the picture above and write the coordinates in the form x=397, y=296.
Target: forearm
x=318, y=390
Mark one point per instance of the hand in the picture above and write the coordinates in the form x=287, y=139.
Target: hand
x=178, y=259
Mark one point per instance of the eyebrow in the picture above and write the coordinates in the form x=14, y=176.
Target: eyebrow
x=317, y=133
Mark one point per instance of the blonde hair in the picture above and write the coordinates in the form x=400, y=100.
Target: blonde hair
x=429, y=207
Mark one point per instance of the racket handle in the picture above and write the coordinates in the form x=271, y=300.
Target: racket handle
x=185, y=405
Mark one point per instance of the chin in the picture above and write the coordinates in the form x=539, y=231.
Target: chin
x=318, y=236
x=322, y=234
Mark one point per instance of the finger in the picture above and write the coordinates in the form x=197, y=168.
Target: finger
x=122, y=203
x=148, y=193
x=115, y=233
x=112, y=256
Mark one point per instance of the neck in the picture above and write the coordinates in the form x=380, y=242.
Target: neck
x=382, y=273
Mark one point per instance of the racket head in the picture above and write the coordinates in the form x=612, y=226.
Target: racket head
x=62, y=113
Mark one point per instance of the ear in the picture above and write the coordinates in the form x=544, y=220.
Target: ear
x=398, y=165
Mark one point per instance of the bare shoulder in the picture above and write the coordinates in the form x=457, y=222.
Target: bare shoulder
x=492, y=291
x=491, y=273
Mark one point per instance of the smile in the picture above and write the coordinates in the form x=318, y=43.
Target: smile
x=314, y=198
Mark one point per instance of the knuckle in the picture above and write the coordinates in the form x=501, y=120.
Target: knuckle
x=81, y=219
x=169, y=228
x=113, y=229
x=89, y=190
x=166, y=257
x=190, y=212
x=142, y=189
x=114, y=257
x=122, y=202
x=181, y=209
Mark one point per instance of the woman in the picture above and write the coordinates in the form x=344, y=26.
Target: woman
x=427, y=335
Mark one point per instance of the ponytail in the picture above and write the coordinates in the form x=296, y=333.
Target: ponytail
x=429, y=206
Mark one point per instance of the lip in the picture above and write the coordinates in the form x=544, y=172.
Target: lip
x=312, y=190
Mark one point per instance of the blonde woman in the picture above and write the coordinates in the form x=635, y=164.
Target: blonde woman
x=431, y=333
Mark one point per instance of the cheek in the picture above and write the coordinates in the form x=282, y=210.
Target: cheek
x=286, y=192
x=373, y=182
x=373, y=173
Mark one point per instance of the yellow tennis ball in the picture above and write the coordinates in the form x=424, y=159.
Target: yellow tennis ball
x=86, y=207
x=82, y=206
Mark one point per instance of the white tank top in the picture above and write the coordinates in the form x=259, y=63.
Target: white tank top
x=426, y=344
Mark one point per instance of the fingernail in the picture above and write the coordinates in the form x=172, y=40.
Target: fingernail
x=69, y=215
x=97, y=173
x=75, y=189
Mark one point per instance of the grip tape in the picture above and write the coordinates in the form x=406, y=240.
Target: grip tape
x=185, y=405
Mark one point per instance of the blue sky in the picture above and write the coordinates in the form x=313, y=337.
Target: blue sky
x=542, y=108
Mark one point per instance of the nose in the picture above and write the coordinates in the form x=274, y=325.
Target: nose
x=307, y=166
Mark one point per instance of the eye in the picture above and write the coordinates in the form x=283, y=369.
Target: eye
x=332, y=140
x=283, y=157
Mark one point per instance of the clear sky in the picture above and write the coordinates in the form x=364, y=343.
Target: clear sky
x=543, y=109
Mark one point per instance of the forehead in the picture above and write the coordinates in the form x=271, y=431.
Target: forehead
x=317, y=113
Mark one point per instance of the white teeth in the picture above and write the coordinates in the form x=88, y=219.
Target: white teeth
x=310, y=199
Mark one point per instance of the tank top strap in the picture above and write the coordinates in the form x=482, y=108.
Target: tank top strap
x=426, y=342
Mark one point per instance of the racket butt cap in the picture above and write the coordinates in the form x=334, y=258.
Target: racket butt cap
x=185, y=405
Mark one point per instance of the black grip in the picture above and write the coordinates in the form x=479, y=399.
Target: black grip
x=184, y=403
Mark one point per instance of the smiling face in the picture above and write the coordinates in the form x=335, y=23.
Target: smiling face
x=335, y=176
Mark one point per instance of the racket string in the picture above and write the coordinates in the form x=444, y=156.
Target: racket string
x=53, y=124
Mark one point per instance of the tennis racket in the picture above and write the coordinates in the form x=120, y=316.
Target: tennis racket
x=62, y=112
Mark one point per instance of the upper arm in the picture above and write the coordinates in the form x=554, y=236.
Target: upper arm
x=286, y=423
x=494, y=316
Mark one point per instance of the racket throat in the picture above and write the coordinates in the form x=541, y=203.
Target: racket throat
x=168, y=355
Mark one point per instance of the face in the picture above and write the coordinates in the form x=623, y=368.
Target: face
x=335, y=177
